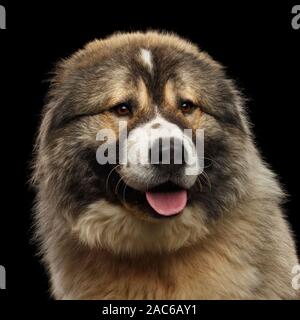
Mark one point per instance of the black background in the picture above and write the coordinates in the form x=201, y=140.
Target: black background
x=254, y=41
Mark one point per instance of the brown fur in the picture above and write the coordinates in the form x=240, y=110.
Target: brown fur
x=103, y=249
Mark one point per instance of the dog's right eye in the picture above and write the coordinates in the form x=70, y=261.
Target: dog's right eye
x=123, y=109
x=186, y=106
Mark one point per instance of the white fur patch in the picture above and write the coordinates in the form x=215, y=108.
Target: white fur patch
x=141, y=139
x=147, y=58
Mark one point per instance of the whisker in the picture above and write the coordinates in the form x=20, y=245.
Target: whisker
x=124, y=194
x=107, y=179
x=117, y=185
x=199, y=183
x=204, y=175
x=212, y=161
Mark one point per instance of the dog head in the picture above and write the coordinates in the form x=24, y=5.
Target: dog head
x=138, y=101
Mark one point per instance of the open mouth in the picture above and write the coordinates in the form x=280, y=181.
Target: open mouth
x=167, y=199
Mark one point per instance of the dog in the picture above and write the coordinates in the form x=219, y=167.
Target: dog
x=138, y=230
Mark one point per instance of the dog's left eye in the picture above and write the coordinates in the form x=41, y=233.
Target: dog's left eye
x=123, y=109
x=187, y=106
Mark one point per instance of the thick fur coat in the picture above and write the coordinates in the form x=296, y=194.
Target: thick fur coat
x=99, y=238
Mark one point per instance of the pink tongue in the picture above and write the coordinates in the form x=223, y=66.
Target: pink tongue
x=167, y=203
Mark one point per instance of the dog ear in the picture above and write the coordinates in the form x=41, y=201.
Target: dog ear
x=62, y=112
x=228, y=106
x=60, y=107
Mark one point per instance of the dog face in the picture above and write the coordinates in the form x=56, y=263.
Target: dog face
x=158, y=86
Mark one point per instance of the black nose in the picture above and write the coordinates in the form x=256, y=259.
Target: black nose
x=167, y=154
